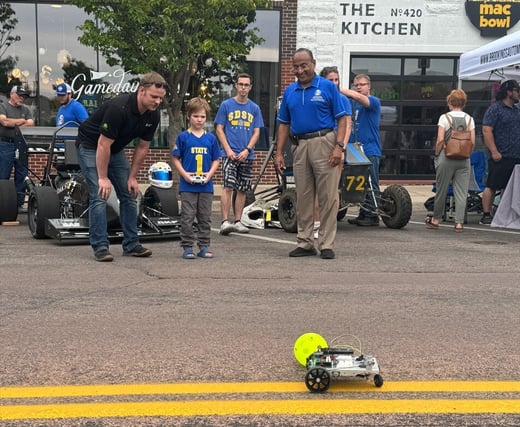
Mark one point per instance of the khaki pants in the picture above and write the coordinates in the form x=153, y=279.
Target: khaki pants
x=314, y=176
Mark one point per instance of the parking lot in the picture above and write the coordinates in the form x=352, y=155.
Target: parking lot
x=432, y=305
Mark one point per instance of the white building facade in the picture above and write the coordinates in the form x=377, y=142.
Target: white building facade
x=411, y=50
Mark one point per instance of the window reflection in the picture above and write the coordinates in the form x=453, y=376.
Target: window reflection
x=375, y=66
x=426, y=66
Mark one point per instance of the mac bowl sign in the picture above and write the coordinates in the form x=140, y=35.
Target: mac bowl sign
x=493, y=17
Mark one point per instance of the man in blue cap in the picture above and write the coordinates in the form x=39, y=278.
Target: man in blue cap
x=71, y=112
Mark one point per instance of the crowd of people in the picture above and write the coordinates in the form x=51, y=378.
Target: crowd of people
x=317, y=117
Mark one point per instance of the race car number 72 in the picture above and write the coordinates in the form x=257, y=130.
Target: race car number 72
x=355, y=182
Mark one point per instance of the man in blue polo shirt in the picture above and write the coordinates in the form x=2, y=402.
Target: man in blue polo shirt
x=311, y=109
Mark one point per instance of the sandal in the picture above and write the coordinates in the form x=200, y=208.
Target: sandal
x=430, y=224
x=188, y=253
x=459, y=228
x=205, y=252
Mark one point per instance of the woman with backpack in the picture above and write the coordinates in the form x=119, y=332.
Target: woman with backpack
x=449, y=170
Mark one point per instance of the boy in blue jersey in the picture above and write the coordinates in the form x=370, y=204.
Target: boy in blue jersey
x=196, y=157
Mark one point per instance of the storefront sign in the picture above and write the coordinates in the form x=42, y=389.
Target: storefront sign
x=493, y=17
x=97, y=84
x=366, y=19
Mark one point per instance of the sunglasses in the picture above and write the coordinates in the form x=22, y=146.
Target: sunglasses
x=158, y=85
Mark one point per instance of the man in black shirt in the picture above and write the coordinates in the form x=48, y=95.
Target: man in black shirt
x=101, y=142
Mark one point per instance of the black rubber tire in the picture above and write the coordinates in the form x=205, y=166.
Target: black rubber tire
x=163, y=200
x=378, y=380
x=317, y=380
x=8, y=201
x=287, y=210
x=397, y=204
x=44, y=203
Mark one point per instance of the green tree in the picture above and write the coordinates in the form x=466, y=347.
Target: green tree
x=7, y=25
x=174, y=38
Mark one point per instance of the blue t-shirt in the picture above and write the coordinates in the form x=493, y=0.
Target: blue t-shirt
x=367, y=126
x=196, y=155
x=74, y=111
x=505, y=122
x=239, y=121
x=318, y=106
x=346, y=105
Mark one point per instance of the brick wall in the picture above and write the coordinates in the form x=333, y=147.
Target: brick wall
x=288, y=43
x=37, y=163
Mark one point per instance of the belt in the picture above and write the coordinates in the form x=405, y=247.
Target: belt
x=310, y=135
x=6, y=139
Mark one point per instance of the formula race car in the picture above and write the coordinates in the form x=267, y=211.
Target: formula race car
x=343, y=358
x=58, y=204
x=393, y=204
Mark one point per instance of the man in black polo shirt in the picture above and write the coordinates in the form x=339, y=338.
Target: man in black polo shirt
x=101, y=142
x=13, y=152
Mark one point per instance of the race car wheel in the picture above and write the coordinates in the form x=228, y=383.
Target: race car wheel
x=396, y=204
x=317, y=380
x=161, y=200
x=287, y=210
x=8, y=201
x=43, y=203
x=378, y=380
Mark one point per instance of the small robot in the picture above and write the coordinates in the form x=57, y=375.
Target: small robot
x=343, y=358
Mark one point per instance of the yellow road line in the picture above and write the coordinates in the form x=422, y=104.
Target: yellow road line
x=258, y=387
x=257, y=407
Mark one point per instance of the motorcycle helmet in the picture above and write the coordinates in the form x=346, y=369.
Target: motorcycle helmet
x=253, y=215
x=160, y=175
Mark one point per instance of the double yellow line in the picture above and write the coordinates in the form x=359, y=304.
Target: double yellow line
x=310, y=405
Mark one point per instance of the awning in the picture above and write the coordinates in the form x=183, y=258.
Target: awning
x=498, y=60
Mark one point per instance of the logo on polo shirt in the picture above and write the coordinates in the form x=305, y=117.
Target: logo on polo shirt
x=317, y=97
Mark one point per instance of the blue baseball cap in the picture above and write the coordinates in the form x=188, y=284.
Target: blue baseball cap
x=63, y=89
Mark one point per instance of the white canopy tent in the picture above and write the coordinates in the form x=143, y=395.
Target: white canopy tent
x=498, y=60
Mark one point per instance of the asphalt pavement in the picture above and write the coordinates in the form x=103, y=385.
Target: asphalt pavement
x=438, y=309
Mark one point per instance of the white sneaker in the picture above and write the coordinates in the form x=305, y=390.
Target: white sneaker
x=225, y=228
x=240, y=228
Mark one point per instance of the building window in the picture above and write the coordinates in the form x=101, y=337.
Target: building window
x=413, y=92
x=49, y=53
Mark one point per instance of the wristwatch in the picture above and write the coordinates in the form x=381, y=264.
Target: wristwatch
x=341, y=145
x=248, y=149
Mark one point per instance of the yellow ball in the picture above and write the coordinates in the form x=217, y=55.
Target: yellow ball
x=307, y=344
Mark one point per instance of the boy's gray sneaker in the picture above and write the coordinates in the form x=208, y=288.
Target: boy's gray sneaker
x=240, y=228
x=104, y=256
x=226, y=227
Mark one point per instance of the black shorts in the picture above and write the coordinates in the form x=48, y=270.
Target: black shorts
x=500, y=172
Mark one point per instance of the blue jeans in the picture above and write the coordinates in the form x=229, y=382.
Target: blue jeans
x=7, y=161
x=118, y=173
x=369, y=198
